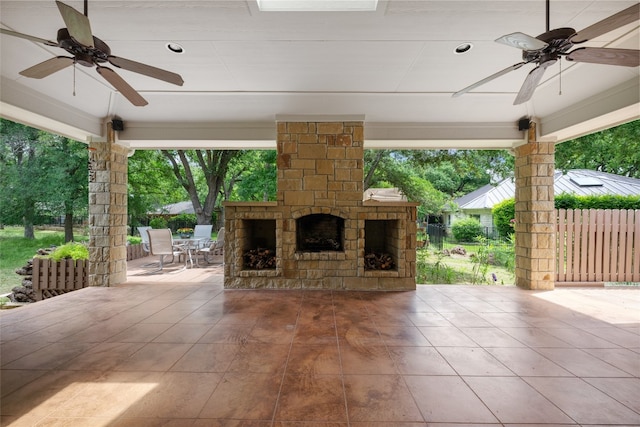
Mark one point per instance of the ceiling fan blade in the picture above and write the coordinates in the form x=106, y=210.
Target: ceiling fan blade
x=77, y=24
x=531, y=82
x=47, y=67
x=522, y=41
x=601, y=55
x=624, y=17
x=123, y=87
x=488, y=79
x=147, y=70
x=28, y=37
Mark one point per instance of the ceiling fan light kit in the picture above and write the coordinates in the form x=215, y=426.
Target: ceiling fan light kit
x=549, y=47
x=88, y=50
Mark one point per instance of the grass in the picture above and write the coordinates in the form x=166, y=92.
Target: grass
x=15, y=251
x=435, y=268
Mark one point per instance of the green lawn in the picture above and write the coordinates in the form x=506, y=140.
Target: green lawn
x=434, y=268
x=15, y=251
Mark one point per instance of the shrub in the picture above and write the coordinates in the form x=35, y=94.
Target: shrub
x=605, y=201
x=158, y=222
x=183, y=221
x=467, y=229
x=71, y=250
x=503, y=214
x=134, y=240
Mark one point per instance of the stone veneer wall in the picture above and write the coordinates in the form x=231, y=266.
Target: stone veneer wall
x=535, y=216
x=107, y=214
x=321, y=171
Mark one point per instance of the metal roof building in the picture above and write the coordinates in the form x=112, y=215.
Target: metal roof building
x=581, y=182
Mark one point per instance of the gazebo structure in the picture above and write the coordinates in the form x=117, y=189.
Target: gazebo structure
x=250, y=66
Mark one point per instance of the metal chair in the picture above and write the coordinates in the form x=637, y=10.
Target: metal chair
x=161, y=244
x=203, y=231
x=145, y=238
x=216, y=247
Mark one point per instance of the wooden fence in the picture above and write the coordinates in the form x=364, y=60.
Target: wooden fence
x=596, y=246
x=52, y=278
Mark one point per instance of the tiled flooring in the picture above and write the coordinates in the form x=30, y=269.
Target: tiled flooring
x=175, y=349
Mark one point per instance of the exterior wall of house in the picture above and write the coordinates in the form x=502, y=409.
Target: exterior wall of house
x=482, y=215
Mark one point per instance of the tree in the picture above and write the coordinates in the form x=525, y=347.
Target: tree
x=386, y=168
x=458, y=172
x=151, y=185
x=213, y=164
x=615, y=150
x=252, y=176
x=43, y=175
x=65, y=163
x=18, y=158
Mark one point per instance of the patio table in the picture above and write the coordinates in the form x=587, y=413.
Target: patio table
x=190, y=245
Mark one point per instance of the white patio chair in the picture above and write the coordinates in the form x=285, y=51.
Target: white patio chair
x=202, y=231
x=216, y=247
x=161, y=244
x=145, y=238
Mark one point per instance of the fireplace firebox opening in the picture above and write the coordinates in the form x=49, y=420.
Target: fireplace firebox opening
x=381, y=244
x=319, y=232
x=259, y=244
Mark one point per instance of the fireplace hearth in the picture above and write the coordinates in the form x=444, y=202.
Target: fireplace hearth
x=320, y=233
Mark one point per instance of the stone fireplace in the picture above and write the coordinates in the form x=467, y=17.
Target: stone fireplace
x=320, y=233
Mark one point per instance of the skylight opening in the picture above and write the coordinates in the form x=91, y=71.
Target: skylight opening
x=317, y=5
x=586, y=181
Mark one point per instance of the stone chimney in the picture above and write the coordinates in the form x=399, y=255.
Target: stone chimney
x=320, y=233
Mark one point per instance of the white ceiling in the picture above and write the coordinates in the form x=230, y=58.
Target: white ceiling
x=244, y=68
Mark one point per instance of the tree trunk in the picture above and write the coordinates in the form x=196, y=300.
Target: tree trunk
x=68, y=227
x=27, y=219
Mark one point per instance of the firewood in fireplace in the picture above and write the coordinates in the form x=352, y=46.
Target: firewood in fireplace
x=378, y=261
x=259, y=259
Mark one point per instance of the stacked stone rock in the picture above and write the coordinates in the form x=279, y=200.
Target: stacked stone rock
x=24, y=292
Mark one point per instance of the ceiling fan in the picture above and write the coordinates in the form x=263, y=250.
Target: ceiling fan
x=547, y=48
x=88, y=50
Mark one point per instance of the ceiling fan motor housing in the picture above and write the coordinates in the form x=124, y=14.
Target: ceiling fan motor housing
x=558, y=43
x=84, y=55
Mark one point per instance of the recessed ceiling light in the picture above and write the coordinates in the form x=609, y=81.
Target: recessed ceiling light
x=463, y=48
x=175, y=47
x=317, y=5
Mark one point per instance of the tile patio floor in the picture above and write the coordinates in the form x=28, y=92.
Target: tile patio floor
x=175, y=349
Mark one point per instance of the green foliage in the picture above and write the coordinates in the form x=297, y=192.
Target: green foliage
x=43, y=176
x=503, y=216
x=615, y=150
x=151, y=185
x=71, y=250
x=607, y=201
x=467, y=229
x=182, y=220
x=433, y=272
x=481, y=262
x=134, y=240
x=252, y=176
x=386, y=168
x=158, y=222
x=490, y=253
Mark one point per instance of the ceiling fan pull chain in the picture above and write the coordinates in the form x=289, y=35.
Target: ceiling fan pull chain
x=74, y=78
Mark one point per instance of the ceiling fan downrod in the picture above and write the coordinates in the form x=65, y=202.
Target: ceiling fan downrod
x=548, y=16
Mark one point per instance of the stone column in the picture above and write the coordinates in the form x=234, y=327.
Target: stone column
x=107, y=212
x=535, y=214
